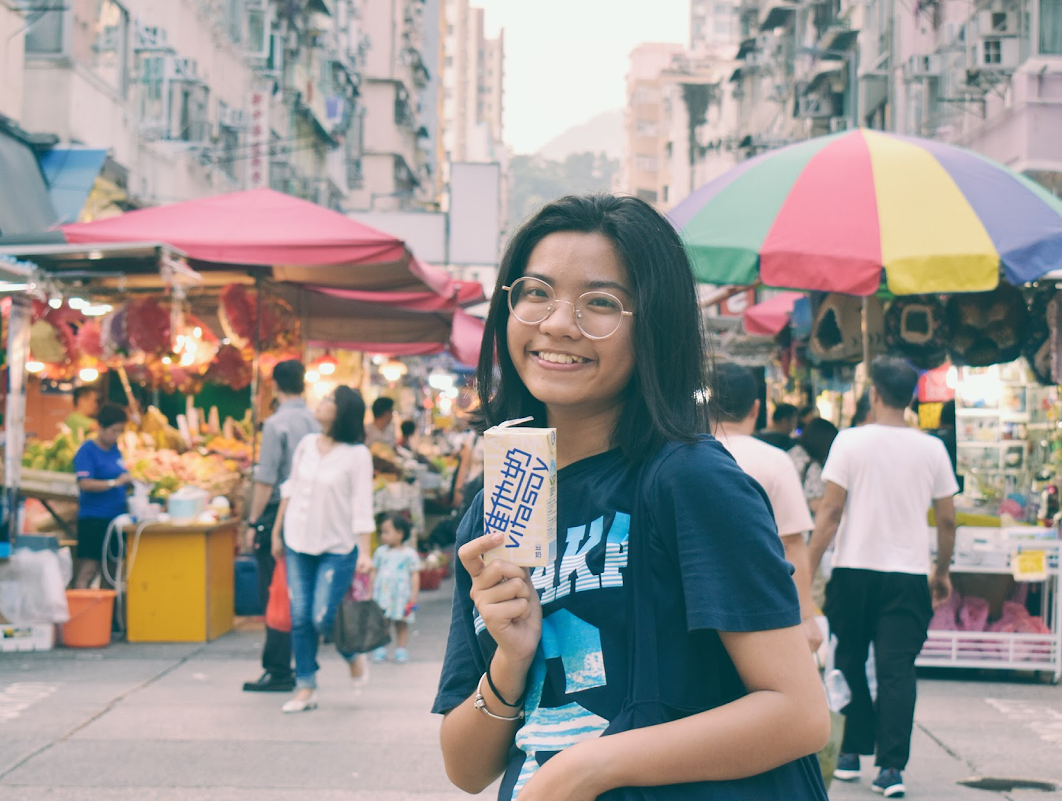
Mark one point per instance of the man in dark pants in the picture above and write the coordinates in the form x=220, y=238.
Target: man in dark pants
x=883, y=477
x=281, y=433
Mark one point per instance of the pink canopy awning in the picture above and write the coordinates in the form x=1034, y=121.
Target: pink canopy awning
x=465, y=293
x=771, y=316
x=295, y=240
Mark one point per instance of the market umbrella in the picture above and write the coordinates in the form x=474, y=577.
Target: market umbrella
x=289, y=239
x=772, y=315
x=832, y=213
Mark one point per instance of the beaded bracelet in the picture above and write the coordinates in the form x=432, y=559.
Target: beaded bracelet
x=480, y=704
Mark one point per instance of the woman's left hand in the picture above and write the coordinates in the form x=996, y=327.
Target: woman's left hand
x=278, y=545
x=571, y=775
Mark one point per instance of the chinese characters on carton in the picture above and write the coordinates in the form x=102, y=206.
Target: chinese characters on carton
x=520, y=493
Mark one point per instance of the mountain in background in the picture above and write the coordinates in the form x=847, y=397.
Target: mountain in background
x=583, y=159
x=603, y=133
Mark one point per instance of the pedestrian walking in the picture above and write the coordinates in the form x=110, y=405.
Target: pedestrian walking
x=734, y=408
x=779, y=433
x=668, y=589
x=883, y=477
x=396, y=584
x=324, y=518
x=809, y=457
x=281, y=434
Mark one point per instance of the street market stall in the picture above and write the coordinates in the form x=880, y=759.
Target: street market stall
x=168, y=327
x=928, y=251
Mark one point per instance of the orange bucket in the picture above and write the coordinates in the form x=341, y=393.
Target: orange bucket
x=90, y=618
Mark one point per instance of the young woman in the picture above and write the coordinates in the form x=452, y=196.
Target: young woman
x=324, y=522
x=669, y=588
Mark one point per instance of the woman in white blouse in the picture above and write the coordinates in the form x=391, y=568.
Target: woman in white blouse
x=323, y=529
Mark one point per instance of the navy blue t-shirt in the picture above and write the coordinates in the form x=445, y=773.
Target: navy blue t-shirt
x=717, y=564
x=92, y=461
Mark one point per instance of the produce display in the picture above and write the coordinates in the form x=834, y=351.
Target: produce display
x=159, y=455
x=56, y=455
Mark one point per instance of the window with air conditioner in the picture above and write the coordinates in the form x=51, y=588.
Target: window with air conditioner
x=1050, y=37
x=645, y=163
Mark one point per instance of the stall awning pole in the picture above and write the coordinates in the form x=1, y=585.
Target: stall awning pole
x=18, y=344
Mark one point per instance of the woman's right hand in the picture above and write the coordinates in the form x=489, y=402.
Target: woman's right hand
x=505, y=599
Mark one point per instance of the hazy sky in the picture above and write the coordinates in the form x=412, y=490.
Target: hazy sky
x=566, y=60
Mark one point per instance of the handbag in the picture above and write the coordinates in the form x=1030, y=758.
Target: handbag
x=278, y=610
x=800, y=780
x=360, y=627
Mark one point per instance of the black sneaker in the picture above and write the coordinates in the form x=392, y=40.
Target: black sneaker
x=847, y=769
x=889, y=783
x=270, y=683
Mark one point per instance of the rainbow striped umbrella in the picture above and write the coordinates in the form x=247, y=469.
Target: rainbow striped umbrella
x=831, y=213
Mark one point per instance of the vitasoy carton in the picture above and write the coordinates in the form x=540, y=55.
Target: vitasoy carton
x=520, y=492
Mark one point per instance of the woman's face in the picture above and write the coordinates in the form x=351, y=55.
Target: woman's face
x=559, y=365
x=326, y=411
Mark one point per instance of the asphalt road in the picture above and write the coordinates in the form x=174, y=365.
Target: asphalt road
x=170, y=723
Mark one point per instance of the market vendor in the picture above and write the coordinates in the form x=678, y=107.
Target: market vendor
x=102, y=480
x=82, y=420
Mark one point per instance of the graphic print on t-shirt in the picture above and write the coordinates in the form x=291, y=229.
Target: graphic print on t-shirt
x=570, y=649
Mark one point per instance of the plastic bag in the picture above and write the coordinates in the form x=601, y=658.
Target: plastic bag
x=278, y=610
x=33, y=587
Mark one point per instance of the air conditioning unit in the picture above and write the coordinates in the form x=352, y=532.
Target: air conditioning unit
x=838, y=124
x=993, y=54
x=997, y=23
x=182, y=69
x=922, y=66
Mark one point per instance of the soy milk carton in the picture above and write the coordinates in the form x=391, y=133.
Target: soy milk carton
x=520, y=492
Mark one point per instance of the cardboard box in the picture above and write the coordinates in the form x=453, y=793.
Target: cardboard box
x=520, y=492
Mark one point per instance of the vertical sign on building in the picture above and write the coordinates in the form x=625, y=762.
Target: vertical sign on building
x=258, y=145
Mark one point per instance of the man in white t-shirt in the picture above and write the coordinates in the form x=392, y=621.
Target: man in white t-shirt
x=733, y=408
x=881, y=480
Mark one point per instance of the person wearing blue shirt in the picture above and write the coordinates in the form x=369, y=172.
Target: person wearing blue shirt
x=661, y=647
x=102, y=480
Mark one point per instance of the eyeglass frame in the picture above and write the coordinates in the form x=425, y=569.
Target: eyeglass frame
x=575, y=306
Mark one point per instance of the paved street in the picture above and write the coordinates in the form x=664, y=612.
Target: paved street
x=169, y=722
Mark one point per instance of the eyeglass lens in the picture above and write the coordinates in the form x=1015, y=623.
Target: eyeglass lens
x=598, y=314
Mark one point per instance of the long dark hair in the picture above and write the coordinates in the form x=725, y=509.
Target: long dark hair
x=349, y=423
x=670, y=362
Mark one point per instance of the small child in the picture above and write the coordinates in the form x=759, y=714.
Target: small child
x=397, y=582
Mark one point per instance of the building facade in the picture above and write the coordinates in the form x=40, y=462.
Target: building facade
x=986, y=75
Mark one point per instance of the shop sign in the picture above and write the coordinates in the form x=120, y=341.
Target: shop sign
x=258, y=144
x=1029, y=566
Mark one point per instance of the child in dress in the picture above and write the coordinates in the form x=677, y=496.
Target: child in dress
x=397, y=582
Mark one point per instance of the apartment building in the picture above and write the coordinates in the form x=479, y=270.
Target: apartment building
x=473, y=79
x=11, y=55
x=397, y=158
x=647, y=153
x=986, y=75
x=157, y=101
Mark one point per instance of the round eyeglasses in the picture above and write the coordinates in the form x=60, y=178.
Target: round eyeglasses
x=597, y=314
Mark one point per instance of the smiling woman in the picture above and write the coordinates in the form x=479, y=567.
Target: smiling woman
x=668, y=621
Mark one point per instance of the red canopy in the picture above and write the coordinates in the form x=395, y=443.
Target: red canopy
x=298, y=241
x=465, y=293
x=771, y=316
